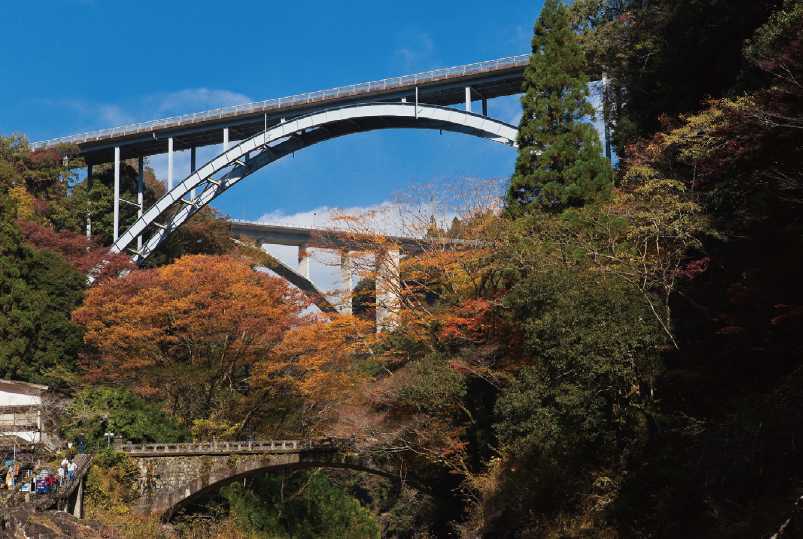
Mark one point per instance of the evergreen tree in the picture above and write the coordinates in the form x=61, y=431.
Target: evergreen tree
x=38, y=290
x=559, y=163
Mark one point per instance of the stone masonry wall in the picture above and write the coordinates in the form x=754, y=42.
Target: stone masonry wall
x=166, y=474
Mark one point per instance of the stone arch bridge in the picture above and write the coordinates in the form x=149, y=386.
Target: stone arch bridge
x=174, y=475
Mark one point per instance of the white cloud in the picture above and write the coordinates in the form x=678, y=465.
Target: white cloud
x=314, y=217
x=520, y=36
x=324, y=271
x=507, y=109
x=419, y=50
x=194, y=100
x=104, y=114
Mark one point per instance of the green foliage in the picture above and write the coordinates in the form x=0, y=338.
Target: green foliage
x=591, y=342
x=559, y=163
x=97, y=410
x=38, y=290
x=665, y=57
x=101, y=200
x=301, y=505
x=430, y=385
x=110, y=482
x=44, y=174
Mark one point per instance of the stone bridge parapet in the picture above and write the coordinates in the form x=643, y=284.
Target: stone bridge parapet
x=226, y=448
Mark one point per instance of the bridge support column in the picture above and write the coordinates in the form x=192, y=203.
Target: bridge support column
x=78, y=509
x=303, y=260
x=116, y=192
x=225, y=138
x=140, y=195
x=605, y=112
x=89, y=200
x=170, y=164
x=192, y=169
x=484, y=107
x=468, y=98
x=346, y=282
x=387, y=289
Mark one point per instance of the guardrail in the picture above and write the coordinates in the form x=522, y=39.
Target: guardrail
x=292, y=100
x=67, y=487
x=215, y=447
x=284, y=225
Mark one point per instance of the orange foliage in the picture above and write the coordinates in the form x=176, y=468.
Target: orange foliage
x=318, y=357
x=445, y=234
x=187, y=333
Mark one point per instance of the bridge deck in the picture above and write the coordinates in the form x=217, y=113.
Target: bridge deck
x=444, y=87
x=297, y=235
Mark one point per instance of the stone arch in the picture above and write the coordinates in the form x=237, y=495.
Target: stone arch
x=168, y=503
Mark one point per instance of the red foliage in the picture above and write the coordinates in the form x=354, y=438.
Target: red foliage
x=478, y=321
x=86, y=255
x=694, y=269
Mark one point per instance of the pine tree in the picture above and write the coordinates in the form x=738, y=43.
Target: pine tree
x=560, y=162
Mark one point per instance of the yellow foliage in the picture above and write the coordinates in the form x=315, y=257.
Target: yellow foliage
x=23, y=201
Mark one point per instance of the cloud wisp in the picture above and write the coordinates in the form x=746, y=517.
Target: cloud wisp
x=418, y=50
x=152, y=107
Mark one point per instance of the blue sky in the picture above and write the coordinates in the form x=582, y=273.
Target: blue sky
x=81, y=65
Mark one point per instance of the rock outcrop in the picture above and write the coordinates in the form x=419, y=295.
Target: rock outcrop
x=27, y=522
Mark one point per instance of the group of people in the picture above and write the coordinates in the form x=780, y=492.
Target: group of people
x=67, y=468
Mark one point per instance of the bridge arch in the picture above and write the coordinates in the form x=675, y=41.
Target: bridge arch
x=287, y=138
x=219, y=474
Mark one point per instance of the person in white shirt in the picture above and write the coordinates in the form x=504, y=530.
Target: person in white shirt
x=71, y=470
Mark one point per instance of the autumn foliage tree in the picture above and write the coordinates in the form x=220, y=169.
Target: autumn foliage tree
x=445, y=351
x=87, y=255
x=190, y=334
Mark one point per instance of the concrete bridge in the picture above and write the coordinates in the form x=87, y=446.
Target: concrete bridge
x=270, y=130
x=174, y=475
x=301, y=236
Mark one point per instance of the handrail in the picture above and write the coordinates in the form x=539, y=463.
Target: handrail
x=291, y=100
x=64, y=491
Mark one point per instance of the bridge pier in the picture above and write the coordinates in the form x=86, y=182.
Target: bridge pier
x=170, y=164
x=346, y=282
x=116, y=192
x=140, y=194
x=192, y=169
x=89, y=201
x=78, y=508
x=387, y=289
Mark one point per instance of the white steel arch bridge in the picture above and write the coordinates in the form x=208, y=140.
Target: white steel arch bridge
x=235, y=164
x=269, y=130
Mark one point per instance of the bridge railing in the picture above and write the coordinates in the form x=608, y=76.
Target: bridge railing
x=254, y=446
x=291, y=100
